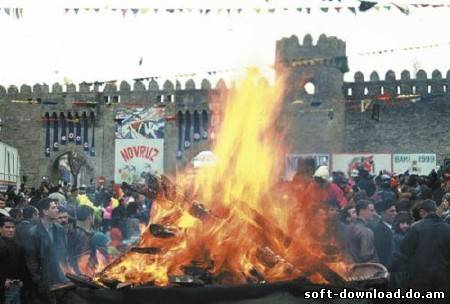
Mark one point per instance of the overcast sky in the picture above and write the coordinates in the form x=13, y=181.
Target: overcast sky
x=48, y=45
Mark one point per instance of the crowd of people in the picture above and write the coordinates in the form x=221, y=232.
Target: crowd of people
x=401, y=221
x=49, y=231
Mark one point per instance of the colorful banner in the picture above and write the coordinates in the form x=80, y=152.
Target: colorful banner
x=134, y=158
x=417, y=163
x=371, y=162
x=140, y=123
x=292, y=161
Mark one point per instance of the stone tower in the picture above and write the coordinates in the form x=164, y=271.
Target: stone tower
x=313, y=112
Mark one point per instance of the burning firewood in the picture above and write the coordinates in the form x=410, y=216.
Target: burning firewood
x=84, y=281
x=146, y=250
x=160, y=231
x=63, y=287
x=185, y=280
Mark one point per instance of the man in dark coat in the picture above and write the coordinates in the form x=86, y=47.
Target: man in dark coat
x=361, y=239
x=14, y=276
x=383, y=233
x=30, y=218
x=47, y=255
x=427, y=244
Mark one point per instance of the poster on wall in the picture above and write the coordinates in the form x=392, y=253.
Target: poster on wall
x=134, y=158
x=292, y=161
x=138, y=123
x=417, y=163
x=371, y=162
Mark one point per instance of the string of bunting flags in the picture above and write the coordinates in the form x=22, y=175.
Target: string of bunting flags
x=363, y=7
x=16, y=13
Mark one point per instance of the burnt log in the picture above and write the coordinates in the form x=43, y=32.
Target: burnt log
x=84, y=281
x=185, y=280
x=160, y=231
x=146, y=250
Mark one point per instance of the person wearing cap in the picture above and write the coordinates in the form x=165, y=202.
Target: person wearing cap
x=323, y=190
x=383, y=233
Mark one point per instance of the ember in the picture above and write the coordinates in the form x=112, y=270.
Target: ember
x=231, y=223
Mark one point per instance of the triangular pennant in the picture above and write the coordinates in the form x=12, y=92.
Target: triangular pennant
x=324, y=9
x=155, y=10
x=239, y=10
x=271, y=10
x=124, y=11
x=135, y=10
x=87, y=9
x=338, y=9
x=425, y=5
x=308, y=10
x=437, y=5
x=366, y=5
x=352, y=9
x=299, y=9
x=180, y=10
x=76, y=10
x=96, y=10
x=20, y=12
x=200, y=11
x=415, y=5
x=144, y=10
x=403, y=8
x=388, y=7
x=66, y=10
x=207, y=11
x=377, y=8
x=257, y=10
x=114, y=9
x=170, y=11
x=7, y=11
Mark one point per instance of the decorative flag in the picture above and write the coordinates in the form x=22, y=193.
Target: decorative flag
x=55, y=132
x=47, y=135
x=308, y=10
x=180, y=135
x=187, y=131
x=366, y=5
x=124, y=11
x=63, y=129
x=135, y=10
x=66, y=10
x=324, y=9
x=86, y=134
x=352, y=9
x=144, y=10
x=197, y=135
x=299, y=9
x=93, y=134
x=403, y=8
x=70, y=120
x=338, y=9
x=205, y=125
x=7, y=11
x=77, y=129
x=141, y=60
x=76, y=10
x=96, y=10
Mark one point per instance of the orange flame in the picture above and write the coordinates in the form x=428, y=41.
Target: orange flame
x=234, y=219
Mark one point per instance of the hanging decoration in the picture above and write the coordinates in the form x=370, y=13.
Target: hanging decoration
x=180, y=122
x=187, y=131
x=93, y=134
x=77, y=129
x=205, y=124
x=63, y=129
x=197, y=135
x=55, y=132
x=71, y=127
x=47, y=135
x=85, y=131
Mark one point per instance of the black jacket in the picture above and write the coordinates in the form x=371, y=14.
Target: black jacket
x=23, y=233
x=46, y=259
x=427, y=244
x=384, y=243
x=13, y=266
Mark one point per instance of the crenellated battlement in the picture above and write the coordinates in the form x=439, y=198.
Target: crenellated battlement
x=420, y=84
x=290, y=49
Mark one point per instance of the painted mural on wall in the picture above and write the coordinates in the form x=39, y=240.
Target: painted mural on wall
x=134, y=158
x=419, y=163
x=292, y=161
x=373, y=163
x=140, y=123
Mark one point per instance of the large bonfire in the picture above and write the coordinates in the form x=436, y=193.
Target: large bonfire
x=233, y=222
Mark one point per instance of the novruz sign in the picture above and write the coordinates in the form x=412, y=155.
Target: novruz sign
x=137, y=157
x=419, y=163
